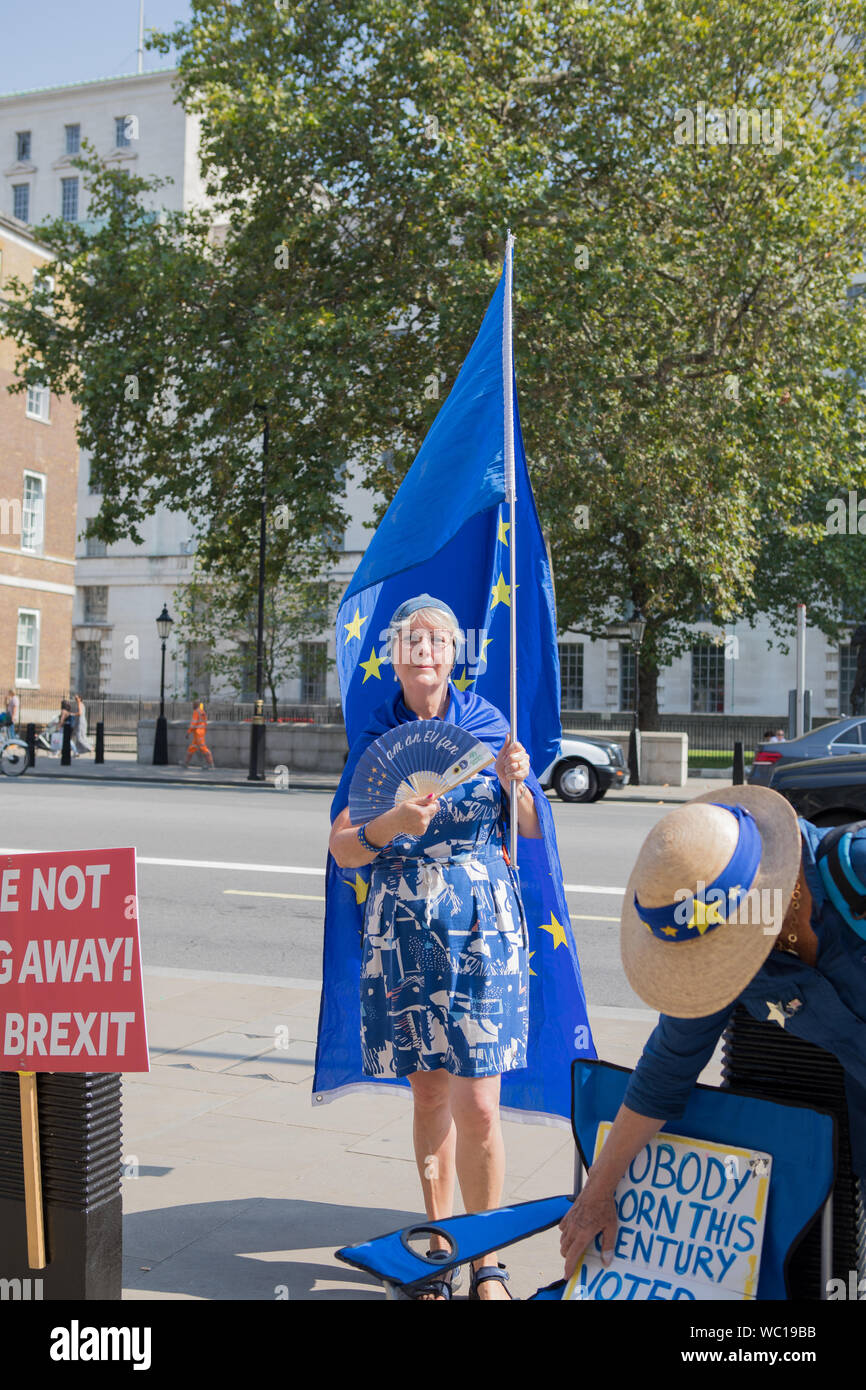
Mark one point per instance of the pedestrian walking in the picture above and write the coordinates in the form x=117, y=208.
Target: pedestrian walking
x=82, y=744
x=13, y=706
x=68, y=716
x=198, y=730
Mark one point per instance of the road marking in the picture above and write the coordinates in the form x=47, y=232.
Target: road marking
x=316, y=898
x=304, y=897
x=595, y=889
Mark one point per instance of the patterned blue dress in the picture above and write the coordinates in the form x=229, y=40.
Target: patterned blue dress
x=444, y=969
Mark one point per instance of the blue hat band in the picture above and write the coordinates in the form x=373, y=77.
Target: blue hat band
x=698, y=913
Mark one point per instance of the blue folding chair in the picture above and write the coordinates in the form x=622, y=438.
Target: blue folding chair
x=801, y=1140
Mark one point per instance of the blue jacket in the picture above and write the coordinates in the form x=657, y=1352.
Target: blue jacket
x=829, y=1001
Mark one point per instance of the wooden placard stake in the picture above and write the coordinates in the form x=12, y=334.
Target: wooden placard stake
x=32, y=1170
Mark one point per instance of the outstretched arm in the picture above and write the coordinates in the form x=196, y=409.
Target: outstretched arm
x=594, y=1211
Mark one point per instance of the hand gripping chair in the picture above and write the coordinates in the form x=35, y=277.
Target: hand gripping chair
x=802, y=1141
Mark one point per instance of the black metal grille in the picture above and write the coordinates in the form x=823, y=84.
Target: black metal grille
x=763, y=1060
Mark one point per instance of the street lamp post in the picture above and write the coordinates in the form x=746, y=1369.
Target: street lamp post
x=164, y=624
x=636, y=628
x=257, y=732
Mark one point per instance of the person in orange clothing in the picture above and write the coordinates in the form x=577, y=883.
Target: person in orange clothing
x=198, y=729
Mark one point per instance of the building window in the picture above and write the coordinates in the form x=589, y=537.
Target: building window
x=197, y=671
x=627, y=676
x=69, y=200
x=21, y=201
x=33, y=513
x=38, y=402
x=22, y=142
x=571, y=674
x=247, y=672
x=95, y=548
x=95, y=603
x=314, y=672
x=121, y=132
x=88, y=669
x=73, y=139
x=847, y=672
x=27, y=649
x=317, y=613
x=708, y=678
x=45, y=283
x=92, y=487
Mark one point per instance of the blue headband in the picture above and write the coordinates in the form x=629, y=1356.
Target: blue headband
x=708, y=910
x=412, y=605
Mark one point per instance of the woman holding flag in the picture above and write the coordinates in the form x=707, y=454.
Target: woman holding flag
x=502, y=1034
x=444, y=975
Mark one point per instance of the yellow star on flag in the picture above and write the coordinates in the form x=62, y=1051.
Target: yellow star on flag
x=704, y=915
x=774, y=1013
x=557, y=931
x=360, y=888
x=503, y=527
x=371, y=667
x=529, y=958
x=483, y=654
x=501, y=591
x=353, y=629
x=464, y=681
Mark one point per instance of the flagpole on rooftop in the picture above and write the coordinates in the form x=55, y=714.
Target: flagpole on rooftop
x=511, y=496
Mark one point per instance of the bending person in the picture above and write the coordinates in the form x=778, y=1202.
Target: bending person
x=694, y=954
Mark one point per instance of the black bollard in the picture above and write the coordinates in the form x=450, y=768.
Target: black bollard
x=739, y=763
x=99, y=755
x=31, y=745
x=80, y=1154
x=66, y=747
x=634, y=758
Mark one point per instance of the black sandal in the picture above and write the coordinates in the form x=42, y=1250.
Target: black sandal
x=441, y=1285
x=479, y=1276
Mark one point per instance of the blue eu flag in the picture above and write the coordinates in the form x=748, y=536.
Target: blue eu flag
x=447, y=533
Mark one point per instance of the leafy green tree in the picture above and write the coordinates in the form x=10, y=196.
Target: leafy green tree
x=688, y=352
x=219, y=607
x=683, y=187
x=176, y=342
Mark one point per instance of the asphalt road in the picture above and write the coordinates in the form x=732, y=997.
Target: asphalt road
x=237, y=878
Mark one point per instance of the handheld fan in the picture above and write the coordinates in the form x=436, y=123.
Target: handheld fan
x=424, y=755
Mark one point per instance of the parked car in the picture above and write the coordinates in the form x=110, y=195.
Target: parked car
x=584, y=769
x=840, y=739
x=826, y=791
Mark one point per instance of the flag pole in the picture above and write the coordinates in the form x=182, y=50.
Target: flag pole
x=511, y=495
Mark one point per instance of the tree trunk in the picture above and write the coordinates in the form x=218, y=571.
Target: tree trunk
x=648, y=678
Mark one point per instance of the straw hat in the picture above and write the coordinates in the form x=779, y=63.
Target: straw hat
x=699, y=975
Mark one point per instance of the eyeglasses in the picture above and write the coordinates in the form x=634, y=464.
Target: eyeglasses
x=440, y=639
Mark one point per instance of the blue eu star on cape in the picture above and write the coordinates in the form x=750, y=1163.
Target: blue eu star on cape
x=447, y=532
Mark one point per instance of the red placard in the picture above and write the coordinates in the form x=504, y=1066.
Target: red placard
x=71, y=995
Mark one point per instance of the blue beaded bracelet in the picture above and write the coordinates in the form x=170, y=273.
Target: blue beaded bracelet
x=371, y=848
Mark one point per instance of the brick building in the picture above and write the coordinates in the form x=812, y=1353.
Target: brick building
x=38, y=493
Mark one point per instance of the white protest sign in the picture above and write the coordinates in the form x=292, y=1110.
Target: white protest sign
x=690, y=1225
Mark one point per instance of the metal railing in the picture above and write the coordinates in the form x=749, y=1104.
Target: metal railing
x=120, y=714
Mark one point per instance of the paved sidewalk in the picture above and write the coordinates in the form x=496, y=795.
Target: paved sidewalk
x=240, y=1188
x=122, y=767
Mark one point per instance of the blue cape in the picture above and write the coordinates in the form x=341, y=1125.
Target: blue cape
x=558, y=1025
